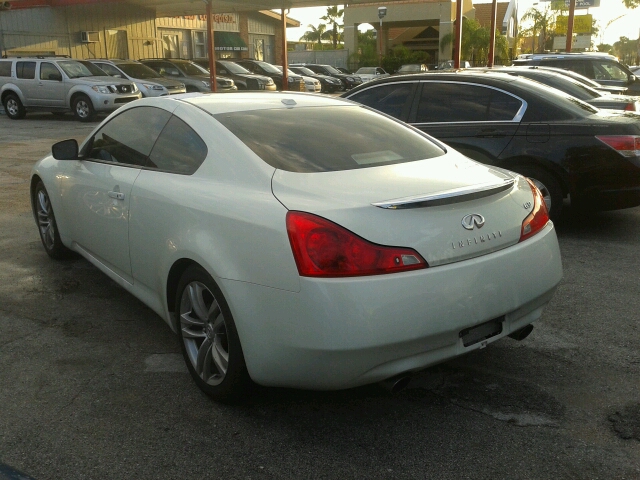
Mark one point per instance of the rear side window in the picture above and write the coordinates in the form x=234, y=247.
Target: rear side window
x=5, y=69
x=456, y=102
x=578, y=66
x=179, y=149
x=129, y=137
x=313, y=139
x=392, y=98
x=26, y=70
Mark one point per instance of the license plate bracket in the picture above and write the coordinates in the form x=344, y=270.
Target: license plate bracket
x=478, y=333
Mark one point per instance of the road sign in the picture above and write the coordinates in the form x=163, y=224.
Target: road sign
x=581, y=24
x=579, y=41
x=560, y=4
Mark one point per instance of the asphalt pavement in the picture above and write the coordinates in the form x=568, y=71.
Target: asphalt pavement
x=92, y=384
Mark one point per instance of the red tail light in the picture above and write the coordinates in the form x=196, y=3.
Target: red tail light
x=625, y=145
x=324, y=249
x=631, y=107
x=538, y=218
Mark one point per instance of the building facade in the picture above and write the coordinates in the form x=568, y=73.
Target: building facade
x=106, y=29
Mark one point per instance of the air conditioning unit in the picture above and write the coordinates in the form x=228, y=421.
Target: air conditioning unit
x=90, y=37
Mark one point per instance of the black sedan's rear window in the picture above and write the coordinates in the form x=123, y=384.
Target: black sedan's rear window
x=326, y=139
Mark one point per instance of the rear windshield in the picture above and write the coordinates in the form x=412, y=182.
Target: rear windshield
x=327, y=139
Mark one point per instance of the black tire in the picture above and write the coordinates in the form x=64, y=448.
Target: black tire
x=206, y=341
x=13, y=107
x=83, y=109
x=548, y=186
x=47, y=226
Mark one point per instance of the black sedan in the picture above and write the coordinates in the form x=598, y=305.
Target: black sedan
x=568, y=147
x=296, y=83
x=329, y=84
x=575, y=88
x=348, y=80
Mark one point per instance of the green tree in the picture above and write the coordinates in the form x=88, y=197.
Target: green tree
x=316, y=34
x=631, y=3
x=542, y=24
x=333, y=17
x=475, y=43
x=400, y=55
x=367, y=54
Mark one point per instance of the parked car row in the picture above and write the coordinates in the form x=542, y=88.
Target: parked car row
x=568, y=147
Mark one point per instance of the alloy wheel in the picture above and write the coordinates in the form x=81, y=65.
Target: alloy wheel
x=204, y=333
x=45, y=223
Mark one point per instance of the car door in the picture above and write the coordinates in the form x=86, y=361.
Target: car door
x=51, y=88
x=101, y=182
x=477, y=120
x=27, y=83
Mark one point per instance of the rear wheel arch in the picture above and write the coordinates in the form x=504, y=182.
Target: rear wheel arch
x=528, y=164
x=173, y=279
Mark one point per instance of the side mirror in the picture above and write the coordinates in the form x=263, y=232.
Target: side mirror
x=65, y=150
x=632, y=78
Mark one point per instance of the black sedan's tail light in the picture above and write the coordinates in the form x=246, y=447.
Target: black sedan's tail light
x=625, y=145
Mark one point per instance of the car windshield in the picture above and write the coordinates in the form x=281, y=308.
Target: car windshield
x=304, y=71
x=567, y=85
x=374, y=140
x=558, y=97
x=234, y=68
x=192, y=69
x=332, y=70
x=267, y=67
x=366, y=70
x=80, y=68
x=409, y=68
x=137, y=70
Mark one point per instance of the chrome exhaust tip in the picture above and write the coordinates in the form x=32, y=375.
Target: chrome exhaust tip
x=522, y=333
x=395, y=384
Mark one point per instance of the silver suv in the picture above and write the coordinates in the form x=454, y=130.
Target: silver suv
x=60, y=85
x=149, y=82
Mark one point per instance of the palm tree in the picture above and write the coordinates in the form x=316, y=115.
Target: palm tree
x=475, y=43
x=543, y=21
x=316, y=34
x=332, y=17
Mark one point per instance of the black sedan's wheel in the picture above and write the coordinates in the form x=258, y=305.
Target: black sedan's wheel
x=83, y=109
x=549, y=187
x=47, y=224
x=13, y=107
x=209, y=339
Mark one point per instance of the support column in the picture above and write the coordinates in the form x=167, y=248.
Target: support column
x=492, y=33
x=572, y=11
x=457, y=45
x=285, y=62
x=212, y=58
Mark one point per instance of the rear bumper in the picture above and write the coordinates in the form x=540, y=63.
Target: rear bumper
x=341, y=333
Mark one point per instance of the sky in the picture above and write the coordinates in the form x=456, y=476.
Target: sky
x=628, y=25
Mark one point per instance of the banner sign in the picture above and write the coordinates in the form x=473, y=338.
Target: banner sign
x=564, y=4
x=579, y=41
x=581, y=24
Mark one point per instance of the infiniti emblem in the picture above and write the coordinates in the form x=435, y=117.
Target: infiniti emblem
x=472, y=221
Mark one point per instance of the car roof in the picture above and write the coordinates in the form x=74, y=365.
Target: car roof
x=249, y=101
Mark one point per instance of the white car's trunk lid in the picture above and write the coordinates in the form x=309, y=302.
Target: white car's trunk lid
x=447, y=208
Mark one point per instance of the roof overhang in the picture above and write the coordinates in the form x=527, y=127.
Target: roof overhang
x=171, y=8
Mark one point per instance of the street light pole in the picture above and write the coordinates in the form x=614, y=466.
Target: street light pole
x=382, y=12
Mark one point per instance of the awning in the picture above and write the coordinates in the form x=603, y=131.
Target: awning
x=228, y=42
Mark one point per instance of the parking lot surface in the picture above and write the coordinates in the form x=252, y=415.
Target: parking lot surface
x=93, y=385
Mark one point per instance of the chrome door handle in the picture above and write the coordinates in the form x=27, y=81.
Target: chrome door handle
x=117, y=195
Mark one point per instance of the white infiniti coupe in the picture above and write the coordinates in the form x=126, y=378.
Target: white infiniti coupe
x=298, y=240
